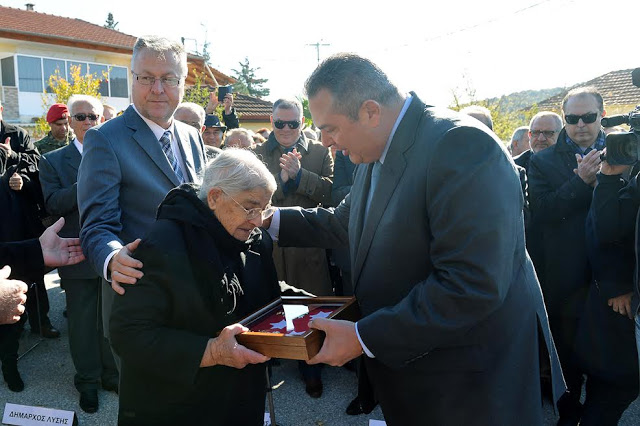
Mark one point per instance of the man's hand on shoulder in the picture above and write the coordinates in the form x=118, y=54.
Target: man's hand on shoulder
x=341, y=343
x=123, y=268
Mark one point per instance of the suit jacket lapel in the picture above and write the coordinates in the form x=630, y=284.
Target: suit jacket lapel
x=73, y=157
x=143, y=135
x=390, y=174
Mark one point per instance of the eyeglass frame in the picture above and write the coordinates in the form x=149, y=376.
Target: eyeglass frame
x=89, y=116
x=548, y=134
x=279, y=124
x=151, y=81
x=269, y=210
x=586, y=118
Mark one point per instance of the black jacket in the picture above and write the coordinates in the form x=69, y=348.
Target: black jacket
x=605, y=341
x=21, y=210
x=560, y=202
x=160, y=327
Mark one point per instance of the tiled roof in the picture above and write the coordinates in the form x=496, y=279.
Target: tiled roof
x=19, y=24
x=250, y=108
x=26, y=22
x=615, y=87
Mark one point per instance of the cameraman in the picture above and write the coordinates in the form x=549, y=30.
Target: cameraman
x=605, y=342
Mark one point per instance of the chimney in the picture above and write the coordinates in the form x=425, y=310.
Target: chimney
x=29, y=6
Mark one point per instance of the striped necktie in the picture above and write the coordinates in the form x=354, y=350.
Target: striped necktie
x=165, y=142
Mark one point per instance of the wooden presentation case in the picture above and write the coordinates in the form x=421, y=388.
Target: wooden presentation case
x=302, y=344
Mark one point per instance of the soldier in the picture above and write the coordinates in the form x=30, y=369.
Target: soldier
x=60, y=134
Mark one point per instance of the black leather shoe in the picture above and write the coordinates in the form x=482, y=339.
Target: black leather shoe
x=12, y=377
x=48, y=331
x=89, y=400
x=357, y=406
x=110, y=385
x=313, y=387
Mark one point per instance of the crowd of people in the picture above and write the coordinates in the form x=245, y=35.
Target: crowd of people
x=188, y=222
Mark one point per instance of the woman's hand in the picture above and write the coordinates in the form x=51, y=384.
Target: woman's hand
x=225, y=350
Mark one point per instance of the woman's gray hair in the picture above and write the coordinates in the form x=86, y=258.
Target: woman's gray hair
x=235, y=170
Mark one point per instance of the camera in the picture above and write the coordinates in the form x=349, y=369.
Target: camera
x=624, y=148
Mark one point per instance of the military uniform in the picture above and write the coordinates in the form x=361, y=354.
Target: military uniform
x=49, y=143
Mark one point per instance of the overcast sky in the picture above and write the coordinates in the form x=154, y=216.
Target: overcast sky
x=496, y=47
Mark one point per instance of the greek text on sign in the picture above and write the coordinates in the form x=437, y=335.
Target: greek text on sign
x=26, y=415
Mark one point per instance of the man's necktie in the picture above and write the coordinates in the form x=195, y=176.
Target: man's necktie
x=165, y=142
x=375, y=174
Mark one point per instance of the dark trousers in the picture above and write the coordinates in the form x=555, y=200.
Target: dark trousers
x=9, y=341
x=37, y=305
x=89, y=348
x=564, y=331
x=606, y=402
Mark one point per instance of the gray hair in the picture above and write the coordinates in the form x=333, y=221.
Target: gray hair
x=519, y=133
x=584, y=91
x=480, y=113
x=94, y=102
x=235, y=170
x=161, y=45
x=239, y=131
x=195, y=108
x=351, y=80
x=288, y=104
x=551, y=114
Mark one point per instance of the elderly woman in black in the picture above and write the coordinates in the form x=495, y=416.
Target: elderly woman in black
x=206, y=265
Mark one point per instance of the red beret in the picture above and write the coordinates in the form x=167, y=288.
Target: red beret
x=56, y=112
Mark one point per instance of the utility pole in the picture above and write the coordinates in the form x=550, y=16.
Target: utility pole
x=317, y=46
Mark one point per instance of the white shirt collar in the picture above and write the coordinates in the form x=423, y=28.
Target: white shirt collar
x=157, y=130
x=78, y=145
x=403, y=111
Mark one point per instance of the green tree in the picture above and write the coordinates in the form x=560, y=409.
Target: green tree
x=199, y=93
x=247, y=82
x=62, y=89
x=110, y=23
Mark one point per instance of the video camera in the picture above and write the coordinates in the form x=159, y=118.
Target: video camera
x=624, y=148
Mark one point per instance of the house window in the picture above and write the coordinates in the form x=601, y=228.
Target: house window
x=30, y=74
x=8, y=71
x=118, y=82
x=83, y=70
x=50, y=67
x=100, y=72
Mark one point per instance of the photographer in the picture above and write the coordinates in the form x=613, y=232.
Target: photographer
x=605, y=342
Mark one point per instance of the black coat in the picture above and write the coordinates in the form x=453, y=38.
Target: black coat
x=160, y=327
x=560, y=202
x=605, y=342
x=19, y=215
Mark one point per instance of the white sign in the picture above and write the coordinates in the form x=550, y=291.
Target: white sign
x=267, y=419
x=26, y=415
x=377, y=423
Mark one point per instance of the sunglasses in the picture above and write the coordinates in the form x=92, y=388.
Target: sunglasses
x=82, y=117
x=586, y=118
x=293, y=124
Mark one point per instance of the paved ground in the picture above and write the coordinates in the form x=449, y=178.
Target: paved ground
x=47, y=371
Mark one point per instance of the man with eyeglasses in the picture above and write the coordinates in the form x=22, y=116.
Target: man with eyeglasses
x=90, y=351
x=544, y=129
x=131, y=162
x=561, y=183
x=303, y=169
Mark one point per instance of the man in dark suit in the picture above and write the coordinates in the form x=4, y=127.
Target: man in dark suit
x=561, y=182
x=132, y=161
x=89, y=349
x=452, y=311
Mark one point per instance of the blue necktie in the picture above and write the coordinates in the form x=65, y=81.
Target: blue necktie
x=165, y=142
